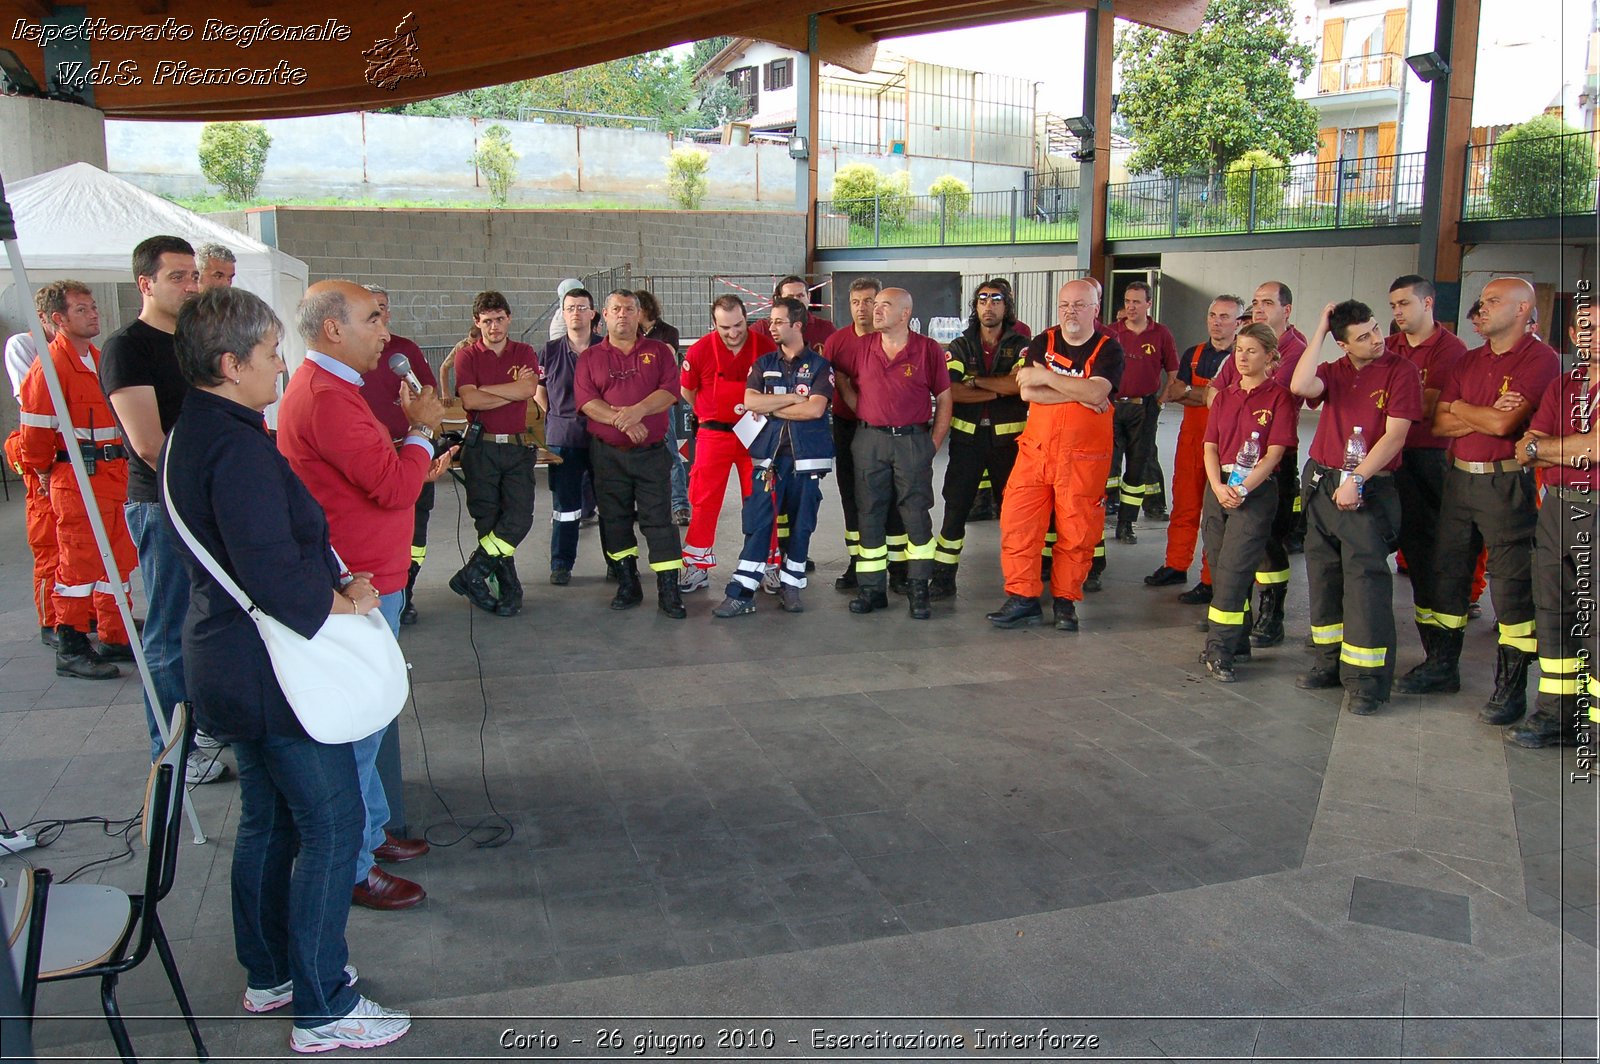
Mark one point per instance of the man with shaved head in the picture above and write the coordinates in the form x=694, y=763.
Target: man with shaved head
x=892, y=378
x=1484, y=406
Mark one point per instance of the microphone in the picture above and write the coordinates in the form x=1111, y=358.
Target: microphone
x=400, y=366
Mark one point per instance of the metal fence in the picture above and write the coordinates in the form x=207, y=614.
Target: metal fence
x=896, y=220
x=1333, y=194
x=1533, y=177
x=1361, y=73
x=1035, y=292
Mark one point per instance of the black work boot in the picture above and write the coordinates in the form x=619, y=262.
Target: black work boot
x=1125, y=532
x=74, y=656
x=1546, y=727
x=899, y=584
x=918, y=600
x=613, y=570
x=1320, y=678
x=473, y=581
x=1268, y=631
x=868, y=599
x=510, y=588
x=629, y=593
x=943, y=584
x=1440, y=673
x=1066, y=615
x=1015, y=611
x=847, y=579
x=408, y=612
x=1509, y=703
x=47, y=636
x=668, y=597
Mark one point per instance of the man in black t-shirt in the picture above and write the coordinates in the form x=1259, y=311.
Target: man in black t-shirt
x=140, y=375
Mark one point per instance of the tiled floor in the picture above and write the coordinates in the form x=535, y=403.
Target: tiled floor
x=827, y=815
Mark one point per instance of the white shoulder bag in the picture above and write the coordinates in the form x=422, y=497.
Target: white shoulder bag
x=344, y=683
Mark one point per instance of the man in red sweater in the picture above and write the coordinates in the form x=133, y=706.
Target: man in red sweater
x=369, y=491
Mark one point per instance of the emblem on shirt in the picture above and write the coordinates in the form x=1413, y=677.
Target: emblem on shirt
x=738, y=408
x=1505, y=385
x=1149, y=349
x=1380, y=398
x=801, y=389
x=803, y=371
x=647, y=358
x=1263, y=416
x=909, y=371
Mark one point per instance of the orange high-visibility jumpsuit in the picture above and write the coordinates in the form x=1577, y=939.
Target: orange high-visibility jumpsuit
x=81, y=589
x=1063, y=458
x=1189, y=480
x=41, y=533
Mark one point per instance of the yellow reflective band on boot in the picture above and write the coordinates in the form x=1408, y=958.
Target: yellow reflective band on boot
x=631, y=552
x=1131, y=497
x=419, y=555
x=852, y=543
x=1453, y=621
x=1426, y=617
x=1113, y=484
x=920, y=552
x=666, y=567
x=872, y=560
x=1558, y=685
x=1216, y=616
x=1327, y=634
x=948, y=551
x=1277, y=576
x=496, y=547
x=1299, y=504
x=1100, y=549
x=1519, y=637
x=897, y=547
x=986, y=484
x=1363, y=657
x=1558, y=676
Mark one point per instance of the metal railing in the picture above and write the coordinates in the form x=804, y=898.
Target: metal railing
x=1360, y=73
x=1335, y=194
x=1536, y=177
x=884, y=221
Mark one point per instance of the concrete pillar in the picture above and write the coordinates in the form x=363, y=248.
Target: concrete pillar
x=1444, y=170
x=808, y=80
x=1095, y=173
x=39, y=135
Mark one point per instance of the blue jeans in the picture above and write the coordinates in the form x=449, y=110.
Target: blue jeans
x=366, y=751
x=680, y=468
x=166, y=585
x=566, y=504
x=299, y=829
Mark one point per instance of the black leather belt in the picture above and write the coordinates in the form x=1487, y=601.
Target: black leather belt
x=898, y=430
x=719, y=426
x=109, y=452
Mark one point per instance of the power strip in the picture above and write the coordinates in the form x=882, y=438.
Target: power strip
x=16, y=842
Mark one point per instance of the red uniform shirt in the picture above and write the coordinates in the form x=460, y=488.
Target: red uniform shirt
x=1480, y=377
x=1386, y=387
x=896, y=393
x=1435, y=358
x=1567, y=408
x=815, y=332
x=1145, y=354
x=831, y=350
x=477, y=365
x=717, y=375
x=1235, y=413
x=622, y=378
x=381, y=388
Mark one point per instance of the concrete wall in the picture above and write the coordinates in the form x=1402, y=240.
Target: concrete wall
x=980, y=177
x=434, y=261
x=1551, y=264
x=41, y=135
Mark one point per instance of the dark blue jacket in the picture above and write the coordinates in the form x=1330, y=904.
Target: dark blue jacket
x=242, y=502
x=810, y=441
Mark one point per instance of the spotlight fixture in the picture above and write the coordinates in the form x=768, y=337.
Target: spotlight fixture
x=799, y=148
x=1429, y=66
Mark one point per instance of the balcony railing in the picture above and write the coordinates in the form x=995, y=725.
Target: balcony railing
x=1360, y=73
x=1012, y=217
x=1337, y=194
x=1540, y=177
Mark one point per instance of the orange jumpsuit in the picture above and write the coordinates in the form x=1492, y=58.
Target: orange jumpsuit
x=41, y=533
x=81, y=590
x=1063, y=458
x=1189, y=480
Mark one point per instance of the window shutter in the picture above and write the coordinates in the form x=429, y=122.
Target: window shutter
x=1327, y=163
x=1394, y=46
x=1332, y=52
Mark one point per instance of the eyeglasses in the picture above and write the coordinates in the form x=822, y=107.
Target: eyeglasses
x=778, y=323
x=1075, y=308
x=990, y=297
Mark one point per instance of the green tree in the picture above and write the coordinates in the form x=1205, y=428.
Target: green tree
x=686, y=176
x=496, y=160
x=956, y=196
x=1543, y=168
x=1199, y=101
x=866, y=195
x=233, y=155
x=1271, y=175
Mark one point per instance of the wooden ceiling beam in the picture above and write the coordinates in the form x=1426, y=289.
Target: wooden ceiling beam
x=836, y=44
x=947, y=12
x=865, y=14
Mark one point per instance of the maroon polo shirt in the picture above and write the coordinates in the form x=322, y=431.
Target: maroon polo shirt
x=896, y=393
x=622, y=378
x=815, y=332
x=832, y=351
x=1435, y=358
x=478, y=366
x=381, y=388
x=1567, y=408
x=1291, y=345
x=1145, y=354
x=1481, y=376
x=1386, y=387
x=716, y=375
x=1235, y=413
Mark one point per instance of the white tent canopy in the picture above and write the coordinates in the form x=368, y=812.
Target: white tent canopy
x=82, y=223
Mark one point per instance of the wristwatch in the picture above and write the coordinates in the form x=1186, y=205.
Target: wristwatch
x=1532, y=450
x=424, y=431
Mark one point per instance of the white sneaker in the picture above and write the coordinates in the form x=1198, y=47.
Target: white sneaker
x=202, y=767
x=368, y=1025
x=279, y=996
x=202, y=741
x=770, y=583
x=693, y=578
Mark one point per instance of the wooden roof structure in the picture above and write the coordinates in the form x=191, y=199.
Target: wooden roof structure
x=196, y=60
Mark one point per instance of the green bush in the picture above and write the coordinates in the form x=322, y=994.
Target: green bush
x=1537, y=172
x=863, y=194
x=956, y=196
x=686, y=176
x=233, y=155
x=496, y=160
x=1271, y=175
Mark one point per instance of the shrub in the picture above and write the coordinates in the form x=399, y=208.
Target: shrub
x=686, y=176
x=1536, y=172
x=955, y=196
x=862, y=193
x=1271, y=175
x=233, y=155
x=496, y=160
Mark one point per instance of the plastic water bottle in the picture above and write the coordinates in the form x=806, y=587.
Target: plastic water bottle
x=1245, y=461
x=1355, y=449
